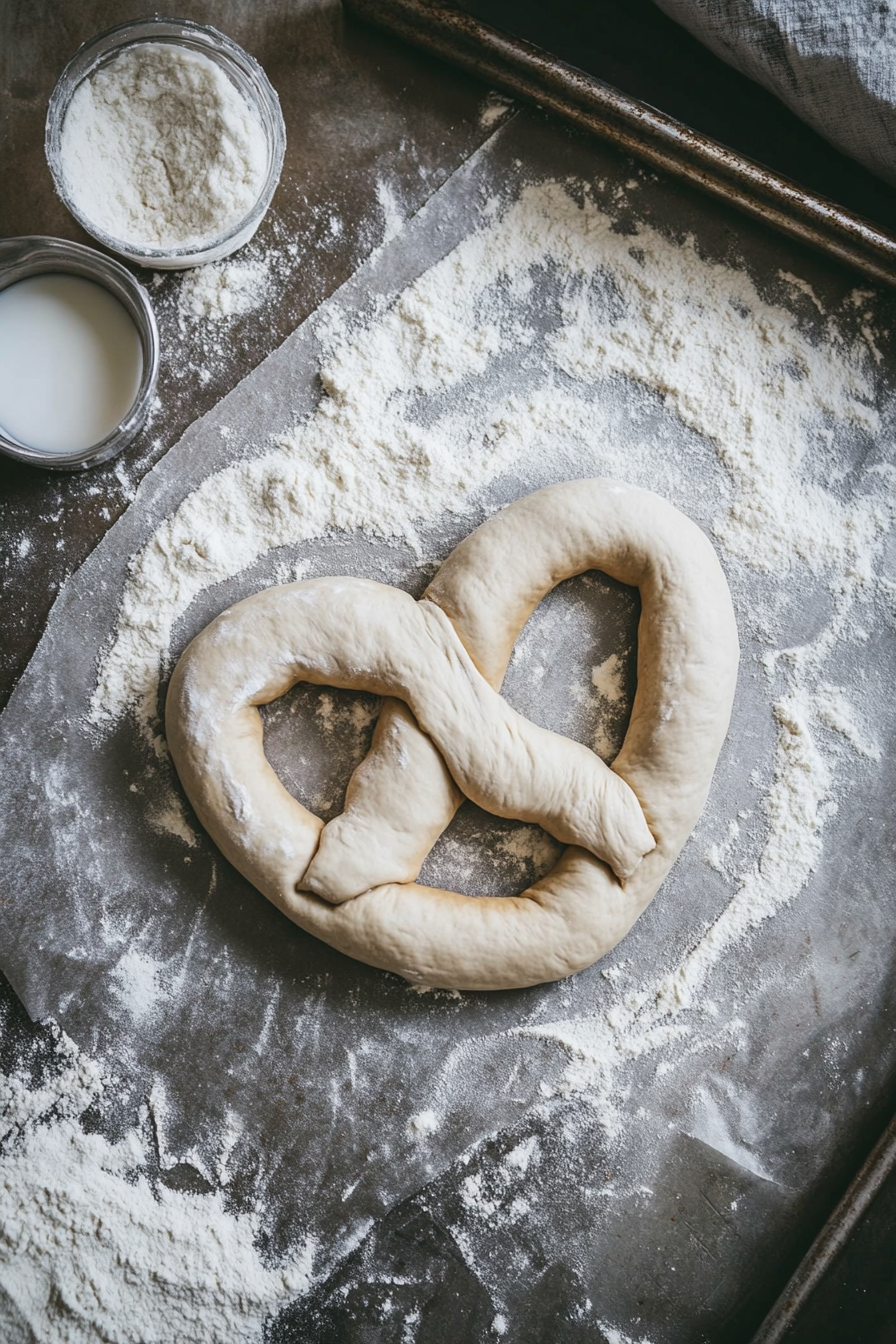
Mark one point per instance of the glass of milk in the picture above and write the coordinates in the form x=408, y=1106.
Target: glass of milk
x=79, y=354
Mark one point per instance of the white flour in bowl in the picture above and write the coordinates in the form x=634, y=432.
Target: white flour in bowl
x=159, y=149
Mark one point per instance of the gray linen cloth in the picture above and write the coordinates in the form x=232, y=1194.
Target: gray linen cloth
x=833, y=62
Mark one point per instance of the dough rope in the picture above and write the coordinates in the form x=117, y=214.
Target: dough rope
x=446, y=733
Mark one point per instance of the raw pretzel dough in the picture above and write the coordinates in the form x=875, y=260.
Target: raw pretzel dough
x=351, y=882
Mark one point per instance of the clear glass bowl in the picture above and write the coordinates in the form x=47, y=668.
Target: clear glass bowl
x=241, y=69
x=21, y=258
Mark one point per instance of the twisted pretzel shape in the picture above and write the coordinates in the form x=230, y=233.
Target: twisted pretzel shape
x=448, y=734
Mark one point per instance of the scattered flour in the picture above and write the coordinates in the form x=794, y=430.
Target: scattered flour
x=136, y=982
x=424, y=1123
x=494, y=109
x=92, y=1248
x=160, y=150
x=169, y=817
x=711, y=1123
x=834, y=710
x=607, y=679
x=798, y=802
x=528, y=846
x=491, y=1197
x=608, y=682
x=393, y=213
x=521, y=1156
x=223, y=289
x=614, y=1336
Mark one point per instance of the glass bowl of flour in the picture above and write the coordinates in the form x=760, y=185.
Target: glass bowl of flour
x=165, y=140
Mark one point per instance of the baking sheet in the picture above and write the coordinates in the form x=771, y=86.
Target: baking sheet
x=295, y=1079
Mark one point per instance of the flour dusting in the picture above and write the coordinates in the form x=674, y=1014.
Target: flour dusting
x=93, y=1246
x=606, y=678
x=222, y=290
x=614, y=1336
x=494, y=109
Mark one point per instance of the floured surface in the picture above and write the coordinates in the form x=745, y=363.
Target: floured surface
x=616, y=1152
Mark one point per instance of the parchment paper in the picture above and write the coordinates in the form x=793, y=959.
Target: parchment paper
x=291, y=1075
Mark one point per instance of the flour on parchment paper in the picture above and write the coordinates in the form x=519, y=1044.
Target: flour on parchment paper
x=614, y=1336
x=495, y=107
x=94, y=1246
x=765, y=397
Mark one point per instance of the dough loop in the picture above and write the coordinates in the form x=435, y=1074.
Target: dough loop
x=445, y=733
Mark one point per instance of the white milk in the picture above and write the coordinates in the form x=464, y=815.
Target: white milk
x=70, y=362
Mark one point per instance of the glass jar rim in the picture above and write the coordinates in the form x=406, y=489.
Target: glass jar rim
x=23, y=258
x=230, y=57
